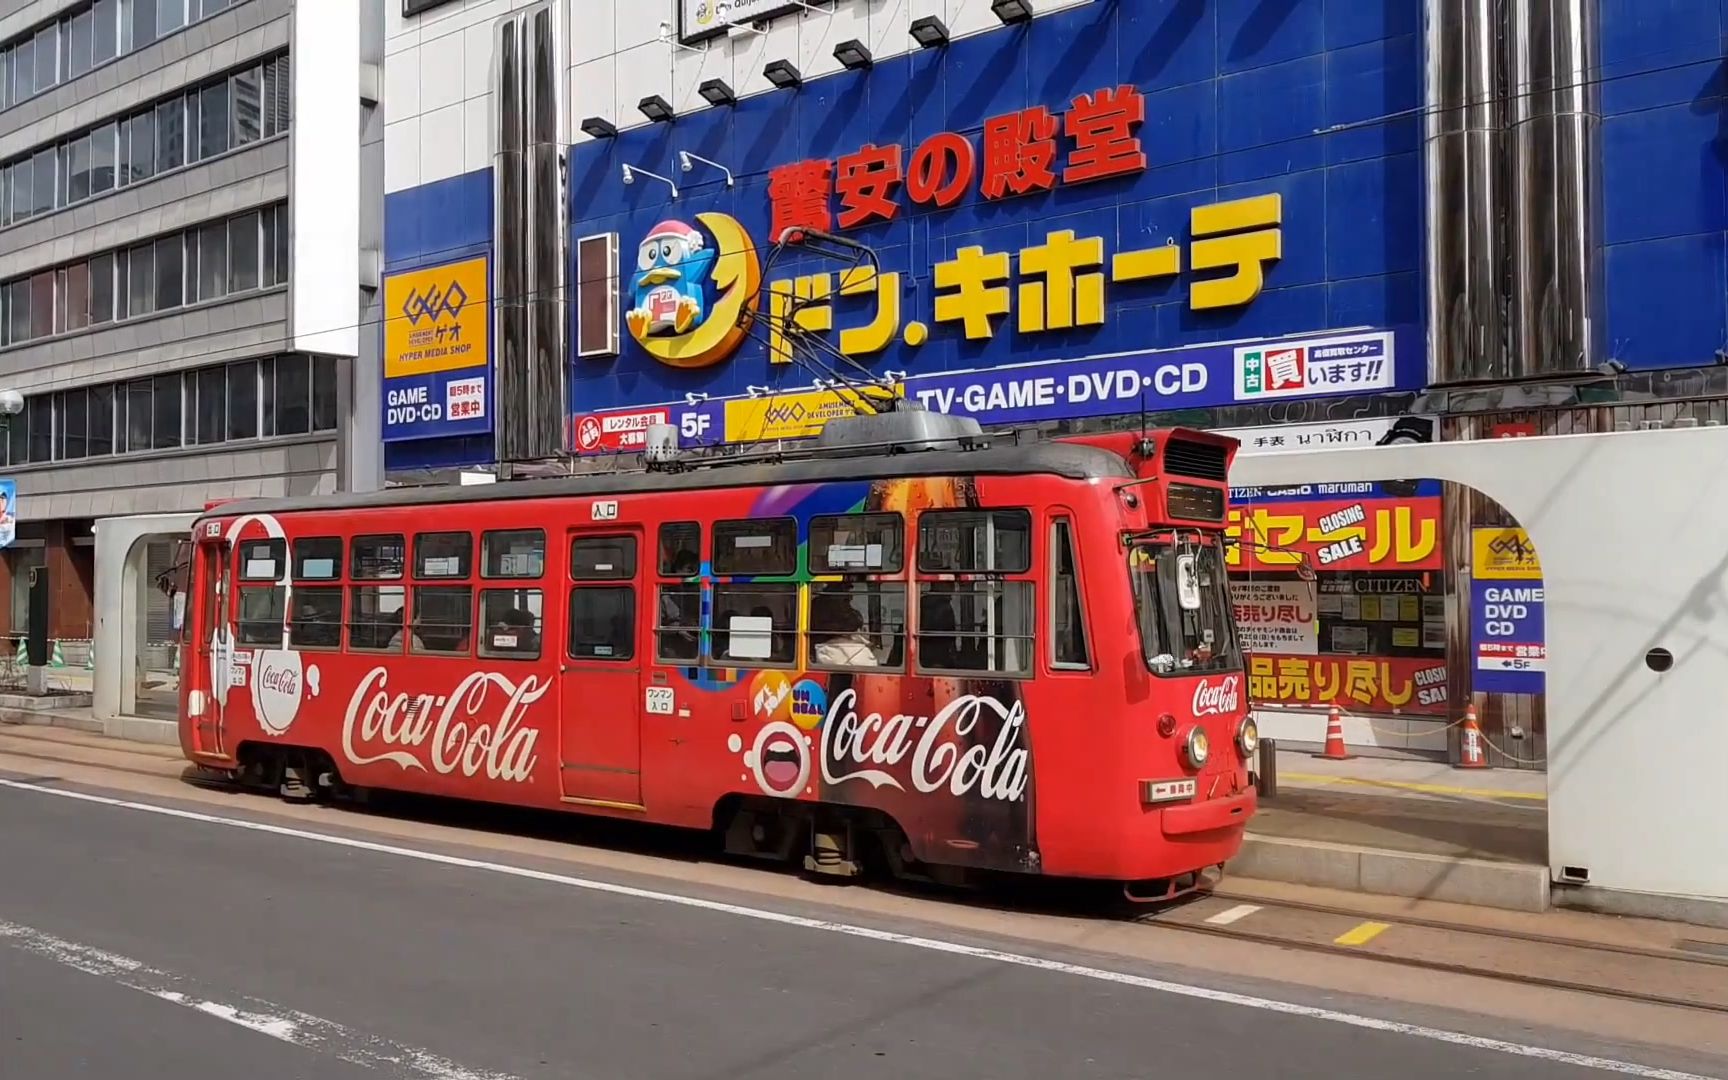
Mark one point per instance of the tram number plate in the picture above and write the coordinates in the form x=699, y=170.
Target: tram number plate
x=660, y=700
x=606, y=510
x=1154, y=791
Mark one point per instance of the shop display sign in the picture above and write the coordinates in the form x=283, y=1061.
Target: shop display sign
x=1368, y=529
x=1358, y=683
x=1275, y=616
x=1295, y=438
x=1506, y=613
x=437, y=351
x=1198, y=377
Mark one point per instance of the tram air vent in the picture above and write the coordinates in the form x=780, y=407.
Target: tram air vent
x=1202, y=461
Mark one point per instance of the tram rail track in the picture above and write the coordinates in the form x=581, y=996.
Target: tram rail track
x=1233, y=931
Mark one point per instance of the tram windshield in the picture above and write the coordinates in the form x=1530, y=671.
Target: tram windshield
x=1182, y=602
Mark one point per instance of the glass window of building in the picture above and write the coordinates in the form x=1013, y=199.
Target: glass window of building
x=243, y=400
x=171, y=134
x=170, y=272
x=243, y=253
x=165, y=420
x=213, y=120
x=103, y=157
x=248, y=120
x=141, y=279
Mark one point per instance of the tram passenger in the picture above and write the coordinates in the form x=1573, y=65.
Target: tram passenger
x=843, y=642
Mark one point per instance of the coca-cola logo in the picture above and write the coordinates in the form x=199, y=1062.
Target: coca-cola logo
x=473, y=729
x=278, y=688
x=282, y=680
x=1223, y=697
x=858, y=747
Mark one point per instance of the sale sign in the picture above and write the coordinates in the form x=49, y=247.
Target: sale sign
x=1337, y=534
x=1368, y=684
x=1506, y=613
x=1275, y=616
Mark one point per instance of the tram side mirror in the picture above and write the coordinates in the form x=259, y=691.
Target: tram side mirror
x=1187, y=583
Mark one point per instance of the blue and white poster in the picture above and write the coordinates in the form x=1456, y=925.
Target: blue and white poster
x=1507, y=614
x=8, y=512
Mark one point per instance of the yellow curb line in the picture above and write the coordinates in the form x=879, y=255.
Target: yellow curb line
x=1425, y=789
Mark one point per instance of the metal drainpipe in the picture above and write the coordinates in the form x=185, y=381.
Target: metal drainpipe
x=1552, y=49
x=1466, y=191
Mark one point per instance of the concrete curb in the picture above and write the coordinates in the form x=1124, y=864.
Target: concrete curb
x=1512, y=886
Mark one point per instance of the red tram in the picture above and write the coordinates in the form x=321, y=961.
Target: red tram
x=950, y=656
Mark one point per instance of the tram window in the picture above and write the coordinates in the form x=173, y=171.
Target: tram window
x=443, y=555
x=1179, y=640
x=443, y=619
x=678, y=632
x=377, y=558
x=755, y=624
x=858, y=626
x=375, y=617
x=763, y=546
x=316, y=622
x=603, y=622
x=975, y=626
x=1067, y=616
x=260, y=620
x=975, y=542
x=319, y=558
x=510, y=621
x=261, y=560
x=857, y=544
x=680, y=549
x=513, y=553
x=603, y=558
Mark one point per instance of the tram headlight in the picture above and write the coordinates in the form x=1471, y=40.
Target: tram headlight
x=1247, y=736
x=1198, y=747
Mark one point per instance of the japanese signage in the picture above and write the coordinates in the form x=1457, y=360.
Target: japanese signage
x=437, y=351
x=1197, y=377
x=1337, y=527
x=1506, y=613
x=1292, y=438
x=699, y=20
x=791, y=416
x=1276, y=616
x=1096, y=137
x=8, y=512
x=1371, y=684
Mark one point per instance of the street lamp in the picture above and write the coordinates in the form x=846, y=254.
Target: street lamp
x=11, y=403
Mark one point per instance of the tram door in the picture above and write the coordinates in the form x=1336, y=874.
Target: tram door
x=600, y=699
x=210, y=678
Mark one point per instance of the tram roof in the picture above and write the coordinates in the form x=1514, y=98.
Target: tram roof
x=1068, y=460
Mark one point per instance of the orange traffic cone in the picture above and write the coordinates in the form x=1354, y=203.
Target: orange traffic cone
x=1335, y=750
x=1472, y=746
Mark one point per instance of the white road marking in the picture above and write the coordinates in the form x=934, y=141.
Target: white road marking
x=1228, y=916
x=953, y=948
x=288, y=1025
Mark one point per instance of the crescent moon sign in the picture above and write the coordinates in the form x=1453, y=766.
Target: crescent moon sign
x=738, y=277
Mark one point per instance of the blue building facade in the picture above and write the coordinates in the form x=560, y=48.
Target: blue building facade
x=1116, y=208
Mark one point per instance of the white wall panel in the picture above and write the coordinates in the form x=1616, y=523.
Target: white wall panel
x=442, y=146
x=402, y=155
x=324, y=171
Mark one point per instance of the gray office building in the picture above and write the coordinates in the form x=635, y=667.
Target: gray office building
x=188, y=264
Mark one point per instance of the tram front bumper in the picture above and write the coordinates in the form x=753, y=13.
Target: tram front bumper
x=1228, y=812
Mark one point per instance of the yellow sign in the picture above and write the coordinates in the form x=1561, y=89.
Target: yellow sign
x=1503, y=555
x=436, y=319
x=1060, y=286
x=796, y=416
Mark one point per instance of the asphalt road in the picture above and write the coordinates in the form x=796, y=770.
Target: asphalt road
x=143, y=946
